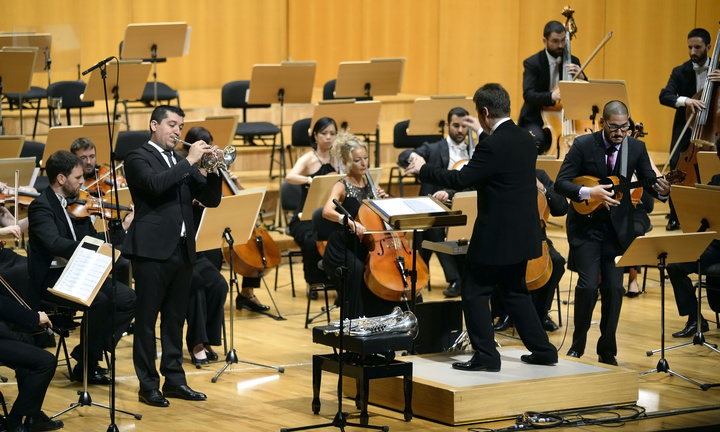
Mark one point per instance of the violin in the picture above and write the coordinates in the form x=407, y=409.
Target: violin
x=86, y=205
x=540, y=269
x=24, y=198
x=259, y=253
x=100, y=183
x=386, y=272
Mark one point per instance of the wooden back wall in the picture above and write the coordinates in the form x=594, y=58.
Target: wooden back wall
x=451, y=46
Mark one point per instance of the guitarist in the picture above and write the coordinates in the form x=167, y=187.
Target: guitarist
x=597, y=238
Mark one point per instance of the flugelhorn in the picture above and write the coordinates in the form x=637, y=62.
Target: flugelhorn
x=396, y=321
x=218, y=159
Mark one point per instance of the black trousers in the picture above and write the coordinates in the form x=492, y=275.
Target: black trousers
x=34, y=369
x=683, y=288
x=206, y=306
x=162, y=287
x=302, y=233
x=477, y=288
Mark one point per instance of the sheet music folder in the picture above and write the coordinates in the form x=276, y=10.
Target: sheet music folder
x=85, y=273
x=415, y=213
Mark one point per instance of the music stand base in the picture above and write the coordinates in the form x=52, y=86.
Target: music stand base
x=86, y=400
x=663, y=366
x=698, y=339
x=340, y=422
x=232, y=358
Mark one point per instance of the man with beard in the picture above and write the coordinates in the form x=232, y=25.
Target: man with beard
x=54, y=236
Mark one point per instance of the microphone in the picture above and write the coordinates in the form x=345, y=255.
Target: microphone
x=227, y=236
x=97, y=65
x=343, y=210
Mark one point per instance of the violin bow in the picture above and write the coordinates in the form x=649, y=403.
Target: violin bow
x=17, y=205
x=602, y=44
x=97, y=180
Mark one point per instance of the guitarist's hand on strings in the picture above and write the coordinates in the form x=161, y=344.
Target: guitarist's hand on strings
x=604, y=194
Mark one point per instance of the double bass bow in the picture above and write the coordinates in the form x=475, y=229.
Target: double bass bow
x=386, y=267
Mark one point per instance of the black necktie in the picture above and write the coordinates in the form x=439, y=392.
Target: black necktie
x=610, y=152
x=169, y=156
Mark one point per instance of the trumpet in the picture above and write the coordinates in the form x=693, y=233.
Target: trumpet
x=218, y=159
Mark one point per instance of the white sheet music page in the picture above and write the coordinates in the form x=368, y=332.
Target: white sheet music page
x=85, y=271
x=407, y=206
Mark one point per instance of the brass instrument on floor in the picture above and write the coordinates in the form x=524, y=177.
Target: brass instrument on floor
x=396, y=321
x=219, y=159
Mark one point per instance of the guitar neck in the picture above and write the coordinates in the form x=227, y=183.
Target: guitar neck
x=624, y=187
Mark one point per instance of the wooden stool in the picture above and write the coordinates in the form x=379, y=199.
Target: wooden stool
x=367, y=357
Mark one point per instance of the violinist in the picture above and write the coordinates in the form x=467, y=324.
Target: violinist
x=350, y=191
x=54, y=236
x=97, y=179
x=541, y=74
x=13, y=267
x=685, y=81
x=34, y=367
x=506, y=233
x=445, y=153
x=542, y=297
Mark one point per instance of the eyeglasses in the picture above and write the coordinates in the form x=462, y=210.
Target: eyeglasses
x=614, y=127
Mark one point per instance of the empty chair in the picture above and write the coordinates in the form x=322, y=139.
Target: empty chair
x=128, y=141
x=34, y=96
x=68, y=93
x=290, y=196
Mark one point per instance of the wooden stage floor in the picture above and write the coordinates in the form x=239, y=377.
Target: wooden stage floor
x=249, y=397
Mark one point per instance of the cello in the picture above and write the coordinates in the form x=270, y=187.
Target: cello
x=259, y=253
x=386, y=272
x=540, y=269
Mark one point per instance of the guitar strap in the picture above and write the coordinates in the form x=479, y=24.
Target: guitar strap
x=623, y=159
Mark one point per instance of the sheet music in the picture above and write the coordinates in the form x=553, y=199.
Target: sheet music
x=84, y=272
x=407, y=206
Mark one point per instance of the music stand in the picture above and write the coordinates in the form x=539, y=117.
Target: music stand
x=128, y=85
x=287, y=82
x=16, y=71
x=60, y=137
x=11, y=146
x=429, y=115
x=155, y=42
x=222, y=128
x=8, y=166
x=215, y=227
x=358, y=117
x=655, y=250
x=709, y=165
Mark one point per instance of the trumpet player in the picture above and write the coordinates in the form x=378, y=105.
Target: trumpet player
x=161, y=243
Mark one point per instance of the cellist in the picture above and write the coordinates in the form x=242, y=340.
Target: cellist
x=685, y=81
x=350, y=191
x=541, y=74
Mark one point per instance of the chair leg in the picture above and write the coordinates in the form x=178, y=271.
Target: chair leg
x=559, y=305
x=644, y=279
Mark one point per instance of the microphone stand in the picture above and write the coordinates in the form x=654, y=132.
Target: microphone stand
x=340, y=419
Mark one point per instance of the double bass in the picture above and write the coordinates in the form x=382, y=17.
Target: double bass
x=259, y=253
x=387, y=266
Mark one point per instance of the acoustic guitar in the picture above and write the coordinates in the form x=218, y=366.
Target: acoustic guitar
x=588, y=206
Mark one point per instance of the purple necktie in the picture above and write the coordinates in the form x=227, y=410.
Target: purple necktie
x=610, y=152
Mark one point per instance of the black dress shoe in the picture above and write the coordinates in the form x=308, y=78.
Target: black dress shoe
x=533, y=359
x=503, y=323
x=198, y=362
x=249, y=304
x=153, y=398
x=475, y=364
x=691, y=328
x=211, y=355
x=607, y=359
x=41, y=422
x=452, y=291
x=548, y=324
x=672, y=225
x=94, y=375
x=183, y=392
x=573, y=353
x=632, y=294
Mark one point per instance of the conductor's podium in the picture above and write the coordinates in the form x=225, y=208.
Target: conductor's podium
x=364, y=358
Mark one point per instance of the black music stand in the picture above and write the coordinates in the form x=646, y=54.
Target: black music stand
x=287, y=82
x=155, y=43
x=16, y=71
x=655, y=250
x=429, y=115
x=701, y=208
x=231, y=215
x=377, y=77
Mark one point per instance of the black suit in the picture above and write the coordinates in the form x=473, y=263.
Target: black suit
x=162, y=260
x=596, y=239
x=436, y=154
x=34, y=367
x=505, y=236
x=51, y=237
x=682, y=82
x=537, y=93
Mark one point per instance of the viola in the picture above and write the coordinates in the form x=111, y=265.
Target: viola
x=100, y=183
x=24, y=198
x=259, y=253
x=86, y=205
x=387, y=266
